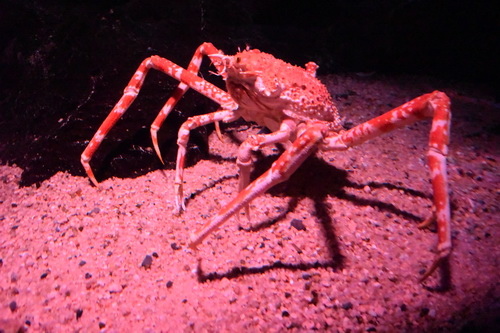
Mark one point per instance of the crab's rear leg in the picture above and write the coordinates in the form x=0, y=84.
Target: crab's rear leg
x=435, y=105
x=205, y=49
x=182, y=141
x=130, y=93
x=280, y=171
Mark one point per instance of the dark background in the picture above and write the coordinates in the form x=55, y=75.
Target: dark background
x=64, y=66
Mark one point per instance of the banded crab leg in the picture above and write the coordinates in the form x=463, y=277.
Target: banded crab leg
x=435, y=105
x=205, y=49
x=186, y=77
x=182, y=141
x=280, y=171
x=255, y=142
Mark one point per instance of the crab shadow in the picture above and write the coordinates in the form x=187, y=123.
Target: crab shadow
x=316, y=180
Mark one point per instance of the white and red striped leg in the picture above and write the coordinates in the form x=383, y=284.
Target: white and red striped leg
x=280, y=171
x=435, y=105
x=255, y=142
x=130, y=93
x=182, y=141
x=205, y=49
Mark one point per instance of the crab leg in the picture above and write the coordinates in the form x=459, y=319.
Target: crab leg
x=280, y=171
x=182, y=141
x=255, y=142
x=207, y=49
x=130, y=93
x=435, y=105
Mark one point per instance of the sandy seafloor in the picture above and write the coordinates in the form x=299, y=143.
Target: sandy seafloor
x=336, y=248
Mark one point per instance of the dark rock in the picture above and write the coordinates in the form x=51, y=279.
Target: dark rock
x=347, y=306
x=315, y=297
x=13, y=306
x=424, y=312
x=298, y=224
x=147, y=262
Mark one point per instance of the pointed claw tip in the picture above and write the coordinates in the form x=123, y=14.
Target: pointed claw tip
x=158, y=152
x=94, y=181
x=194, y=241
x=193, y=244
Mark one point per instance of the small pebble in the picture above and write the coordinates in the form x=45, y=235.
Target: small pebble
x=393, y=278
x=424, y=312
x=13, y=306
x=347, y=306
x=298, y=224
x=96, y=210
x=169, y=284
x=147, y=262
x=314, y=297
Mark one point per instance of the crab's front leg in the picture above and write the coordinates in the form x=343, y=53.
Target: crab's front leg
x=435, y=105
x=187, y=78
x=280, y=171
x=205, y=49
x=255, y=142
x=182, y=141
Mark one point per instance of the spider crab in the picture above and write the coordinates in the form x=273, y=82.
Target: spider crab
x=300, y=113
